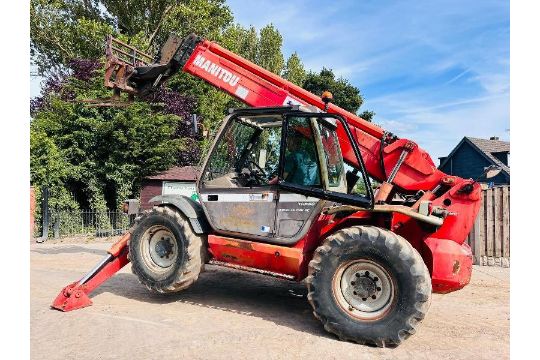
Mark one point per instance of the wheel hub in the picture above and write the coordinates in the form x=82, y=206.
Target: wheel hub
x=363, y=288
x=164, y=247
x=159, y=247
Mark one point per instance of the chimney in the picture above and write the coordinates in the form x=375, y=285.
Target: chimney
x=494, y=138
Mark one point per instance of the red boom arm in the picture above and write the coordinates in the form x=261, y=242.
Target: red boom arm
x=258, y=87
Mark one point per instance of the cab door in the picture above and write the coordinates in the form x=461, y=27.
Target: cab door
x=306, y=186
x=235, y=187
x=300, y=166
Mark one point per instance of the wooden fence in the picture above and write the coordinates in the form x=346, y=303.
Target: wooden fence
x=490, y=236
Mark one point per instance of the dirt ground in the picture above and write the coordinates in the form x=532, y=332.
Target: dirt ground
x=232, y=314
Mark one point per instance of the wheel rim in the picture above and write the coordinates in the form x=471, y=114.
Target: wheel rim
x=159, y=248
x=364, y=289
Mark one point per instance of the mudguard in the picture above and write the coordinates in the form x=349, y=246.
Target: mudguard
x=187, y=206
x=450, y=264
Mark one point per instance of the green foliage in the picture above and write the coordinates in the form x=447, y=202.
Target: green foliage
x=102, y=152
x=242, y=41
x=133, y=17
x=206, y=18
x=367, y=115
x=262, y=48
x=46, y=161
x=269, y=54
x=49, y=169
x=294, y=70
x=62, y=30
x=345, y=95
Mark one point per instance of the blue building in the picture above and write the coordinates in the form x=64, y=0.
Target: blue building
x=472, y=155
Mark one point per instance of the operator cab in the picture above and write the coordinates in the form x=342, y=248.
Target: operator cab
x=271, y=170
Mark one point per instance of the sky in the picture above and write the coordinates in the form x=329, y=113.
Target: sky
x=433, y=71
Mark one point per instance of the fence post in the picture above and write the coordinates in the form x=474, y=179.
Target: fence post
x=490, y=222
x=497, y=205
x=476, y=240
x=506, y=222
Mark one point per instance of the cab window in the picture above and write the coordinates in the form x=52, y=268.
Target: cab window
x=301, y=166
x=332, y=155
x=246, y=155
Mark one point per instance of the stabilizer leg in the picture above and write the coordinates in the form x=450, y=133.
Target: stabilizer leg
x=75, y=295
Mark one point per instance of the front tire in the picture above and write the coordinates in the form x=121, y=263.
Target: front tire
x=369, y=285
x=165, y=253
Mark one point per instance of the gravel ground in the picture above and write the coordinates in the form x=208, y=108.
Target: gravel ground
x=233, y=314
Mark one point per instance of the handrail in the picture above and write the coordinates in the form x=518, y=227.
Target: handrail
x=430, y=219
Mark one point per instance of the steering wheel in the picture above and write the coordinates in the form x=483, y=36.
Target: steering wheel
x=250, y=176
x=262, y=172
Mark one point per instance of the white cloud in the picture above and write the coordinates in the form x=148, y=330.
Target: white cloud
x=439, y=129
x=494, y=83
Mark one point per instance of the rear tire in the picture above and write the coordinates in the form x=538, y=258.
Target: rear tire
x=369, y=285
x=165, y=253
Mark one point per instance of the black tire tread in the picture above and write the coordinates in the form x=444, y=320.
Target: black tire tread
x=355, y=236
x=194, y=263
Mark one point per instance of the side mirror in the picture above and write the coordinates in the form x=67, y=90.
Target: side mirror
x=492, y=171
x=131, y=207
x=489, y=172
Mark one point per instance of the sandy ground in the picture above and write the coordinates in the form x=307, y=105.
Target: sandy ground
x=231, y=314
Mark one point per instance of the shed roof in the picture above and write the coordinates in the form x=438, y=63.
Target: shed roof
x=179, y=173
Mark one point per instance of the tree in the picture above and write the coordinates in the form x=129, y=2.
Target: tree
x=107, y=152
x=61, y=30
x=242, y=41
x=269, y=54
x=102, y=154
x=367, y=115
x=294, y=70
x=345, y=95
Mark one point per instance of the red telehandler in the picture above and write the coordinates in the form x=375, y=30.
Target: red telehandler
x=285, y=190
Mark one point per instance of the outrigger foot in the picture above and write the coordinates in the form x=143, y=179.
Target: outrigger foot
x=75, y=295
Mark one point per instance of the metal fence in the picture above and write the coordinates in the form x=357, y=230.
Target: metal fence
x=82, y=222
x=490, y=235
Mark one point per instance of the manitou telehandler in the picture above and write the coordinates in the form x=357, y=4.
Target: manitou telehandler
x=286, y=191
